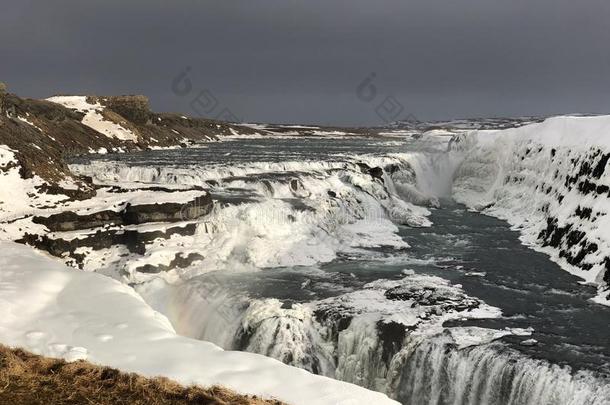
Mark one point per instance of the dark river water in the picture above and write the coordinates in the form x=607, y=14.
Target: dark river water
x=531, y=290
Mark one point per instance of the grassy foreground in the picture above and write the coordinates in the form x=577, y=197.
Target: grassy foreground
x=29, y=379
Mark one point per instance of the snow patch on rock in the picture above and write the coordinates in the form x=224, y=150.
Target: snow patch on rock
x=93, y=117
x=19, y=196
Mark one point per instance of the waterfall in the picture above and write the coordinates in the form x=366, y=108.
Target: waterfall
x=438, y=373
x=407, y=363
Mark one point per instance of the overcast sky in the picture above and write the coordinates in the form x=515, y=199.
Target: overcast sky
x=303, y=61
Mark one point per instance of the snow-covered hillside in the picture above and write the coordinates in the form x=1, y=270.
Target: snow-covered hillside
x=94, y=117
x=550, y=181
x=61, y=312
x=19, y=195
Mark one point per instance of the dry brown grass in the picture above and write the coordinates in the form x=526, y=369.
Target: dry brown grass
x=29, y=379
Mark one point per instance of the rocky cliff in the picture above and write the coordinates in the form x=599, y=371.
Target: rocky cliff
x=43, y=133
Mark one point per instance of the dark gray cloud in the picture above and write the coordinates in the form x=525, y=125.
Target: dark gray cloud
x=301, y=61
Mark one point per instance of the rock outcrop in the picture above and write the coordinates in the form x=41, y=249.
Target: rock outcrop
x=134, y=241
x=44, y=133
x=2, y=95
x=135, y=108
x=129, y=215
x=129, y=229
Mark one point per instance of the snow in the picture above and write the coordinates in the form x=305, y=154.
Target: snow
x=7, y=156
x=19, y=196
x=93, y=117
x=52, y=310
x=474, y=336
x=468, y=336
x=23, y=119
x=288, y=131
x=529, y=342
x=544, y=174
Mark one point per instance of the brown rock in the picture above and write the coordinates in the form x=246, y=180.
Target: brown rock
x=2, y=94
x=135, y=108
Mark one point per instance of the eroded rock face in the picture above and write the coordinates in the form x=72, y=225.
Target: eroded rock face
x=431, y=296
x=135, y=108
x=167, y=212
x=555, y=194
x=43, y=134
x=392, y=336
x=122, y=230
x=585, y=179
x=3, y=91
x=196, y=208
x=70, y=221
x=133, y=240
x=2, y=94
x=130, y=215
x=181, y=261
x=376, y=172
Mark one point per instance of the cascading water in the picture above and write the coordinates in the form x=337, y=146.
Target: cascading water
x=359, y=338
x=340, y=293
x=435, y=372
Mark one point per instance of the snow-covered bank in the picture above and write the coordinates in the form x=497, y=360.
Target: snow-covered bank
x=52, y=310
x=19, y=196
x=549, y=181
